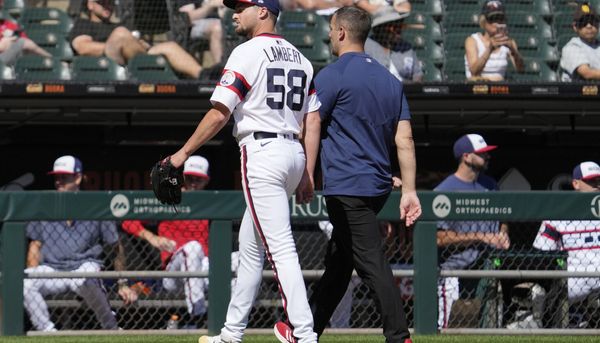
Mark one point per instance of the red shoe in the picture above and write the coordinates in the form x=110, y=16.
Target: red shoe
x=408, y=340
x=283, y=332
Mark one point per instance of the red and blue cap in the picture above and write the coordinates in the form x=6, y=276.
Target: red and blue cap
x=586, y=171
x=471, y=143
x=67, y=165
x=271, y=5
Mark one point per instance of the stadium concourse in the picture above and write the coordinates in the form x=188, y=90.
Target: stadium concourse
x=119, y=119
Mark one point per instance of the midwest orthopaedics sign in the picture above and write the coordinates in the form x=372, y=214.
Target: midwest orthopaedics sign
x=442, y=206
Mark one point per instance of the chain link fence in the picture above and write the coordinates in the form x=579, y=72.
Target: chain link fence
x=465, y=302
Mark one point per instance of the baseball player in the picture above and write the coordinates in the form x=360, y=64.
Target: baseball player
x=579, y=237
x=267, y=86
x=70, y=246
x=183, y=244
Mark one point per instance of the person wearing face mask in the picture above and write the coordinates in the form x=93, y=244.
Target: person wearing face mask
x=487, y=53
x=580, y=58
x=71, y=246
x=578, y=237
x=461, y=243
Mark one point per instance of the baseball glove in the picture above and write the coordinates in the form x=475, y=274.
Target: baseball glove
x=166, y=182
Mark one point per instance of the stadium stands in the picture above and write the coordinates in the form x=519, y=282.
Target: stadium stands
x=46, y=19
x=150, y=68
x=52, y=42
x=39, y=68
x=86, y=68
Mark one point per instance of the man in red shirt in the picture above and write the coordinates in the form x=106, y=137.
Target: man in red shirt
x=183, y=244
x=14, y=42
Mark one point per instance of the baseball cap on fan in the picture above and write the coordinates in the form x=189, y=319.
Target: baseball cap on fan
x=492, y=7
x=271, y=5
x=586, y=171
x=66, y=165
x=196, y=166
x=471, y=143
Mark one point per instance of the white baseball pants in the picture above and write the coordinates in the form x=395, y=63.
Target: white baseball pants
x=448, y=292
x=271, y=171
x=91, y=290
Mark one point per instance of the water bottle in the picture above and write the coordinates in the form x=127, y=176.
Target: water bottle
x=173, y=323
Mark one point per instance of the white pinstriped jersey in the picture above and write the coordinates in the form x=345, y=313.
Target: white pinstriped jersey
x=581, y=238
x=267, y=84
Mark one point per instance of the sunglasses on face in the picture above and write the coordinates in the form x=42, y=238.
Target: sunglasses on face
x=496, y=19
x=588, y=19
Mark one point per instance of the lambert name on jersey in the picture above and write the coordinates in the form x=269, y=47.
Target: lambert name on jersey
x=279, y=53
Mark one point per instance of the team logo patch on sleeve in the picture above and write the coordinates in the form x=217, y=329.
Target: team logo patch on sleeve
x=227, y=79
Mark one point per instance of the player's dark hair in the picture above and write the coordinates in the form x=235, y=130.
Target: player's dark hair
x=273, y=17
x=357, y=22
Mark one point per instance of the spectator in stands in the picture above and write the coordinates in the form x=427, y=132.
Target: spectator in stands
x=375, y=6
x=97, y=36
x=487, y=53
x=578, y=237
x=205, y=24
x=581, y=55
x=71, y=246
x=14, y=42
x=461, y=243
x=183, y=244
x=387, y=46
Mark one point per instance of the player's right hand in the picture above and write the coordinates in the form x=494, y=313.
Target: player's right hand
x=163, y=244
x=305, y=190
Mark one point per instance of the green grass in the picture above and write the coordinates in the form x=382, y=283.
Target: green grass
x=325, y=339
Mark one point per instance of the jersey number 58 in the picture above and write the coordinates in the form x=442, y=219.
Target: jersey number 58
x=296, y=82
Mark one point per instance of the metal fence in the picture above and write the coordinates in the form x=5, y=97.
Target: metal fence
x=512, y=277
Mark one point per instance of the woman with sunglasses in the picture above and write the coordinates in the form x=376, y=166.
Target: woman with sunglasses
x=581, y=55
x=487, y=53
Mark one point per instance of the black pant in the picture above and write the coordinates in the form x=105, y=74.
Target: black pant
x=357, y=244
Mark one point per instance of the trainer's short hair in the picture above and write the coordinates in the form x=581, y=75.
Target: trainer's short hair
x=356, y=21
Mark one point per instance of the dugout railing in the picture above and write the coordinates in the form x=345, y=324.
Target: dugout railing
x=225, y=207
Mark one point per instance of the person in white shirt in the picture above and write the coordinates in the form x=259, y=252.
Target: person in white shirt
x=580, y=58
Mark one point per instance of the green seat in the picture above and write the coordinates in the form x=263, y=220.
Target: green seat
x=46, y=19
x=536, y=70
x=88, y=68
x=431, y=7
x=564, y=39
x=461, y=22
x=540, y=7
x=454, y=69
x=431, y=73
x=425, y=23
x=454, y=43
x=316, y=50
x=304, y=21
x=14, y=7
x=39, y=68
x=6, y=72
x=457, y=6
x=144, y=67
x=569, y=6
x=529, y=23
x=563, y=24
x=425, y=47
x=531, y=45
x=52, y=42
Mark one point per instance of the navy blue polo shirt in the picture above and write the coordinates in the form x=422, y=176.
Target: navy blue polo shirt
x=361, y=104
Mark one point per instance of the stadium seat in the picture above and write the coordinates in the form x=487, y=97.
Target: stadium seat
x=563, y=24
x=426, y=23
x=540, y=7
x=54, y=43
x=150, y=68
x=6, y=72
x=39, y=68
x=431, y=73
x=536, y=70
x=531, y=45
x=88, y=68
x=14, y=7
x=457, y=6
x=454, y=43
x=46, y=19
x=454, y=69
x=564, y=39
x=569, y=6
x=305, y=21
x=461, y=22
x=316, y=50
x=434, y=8
x=425, y=47
x=529, y=23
